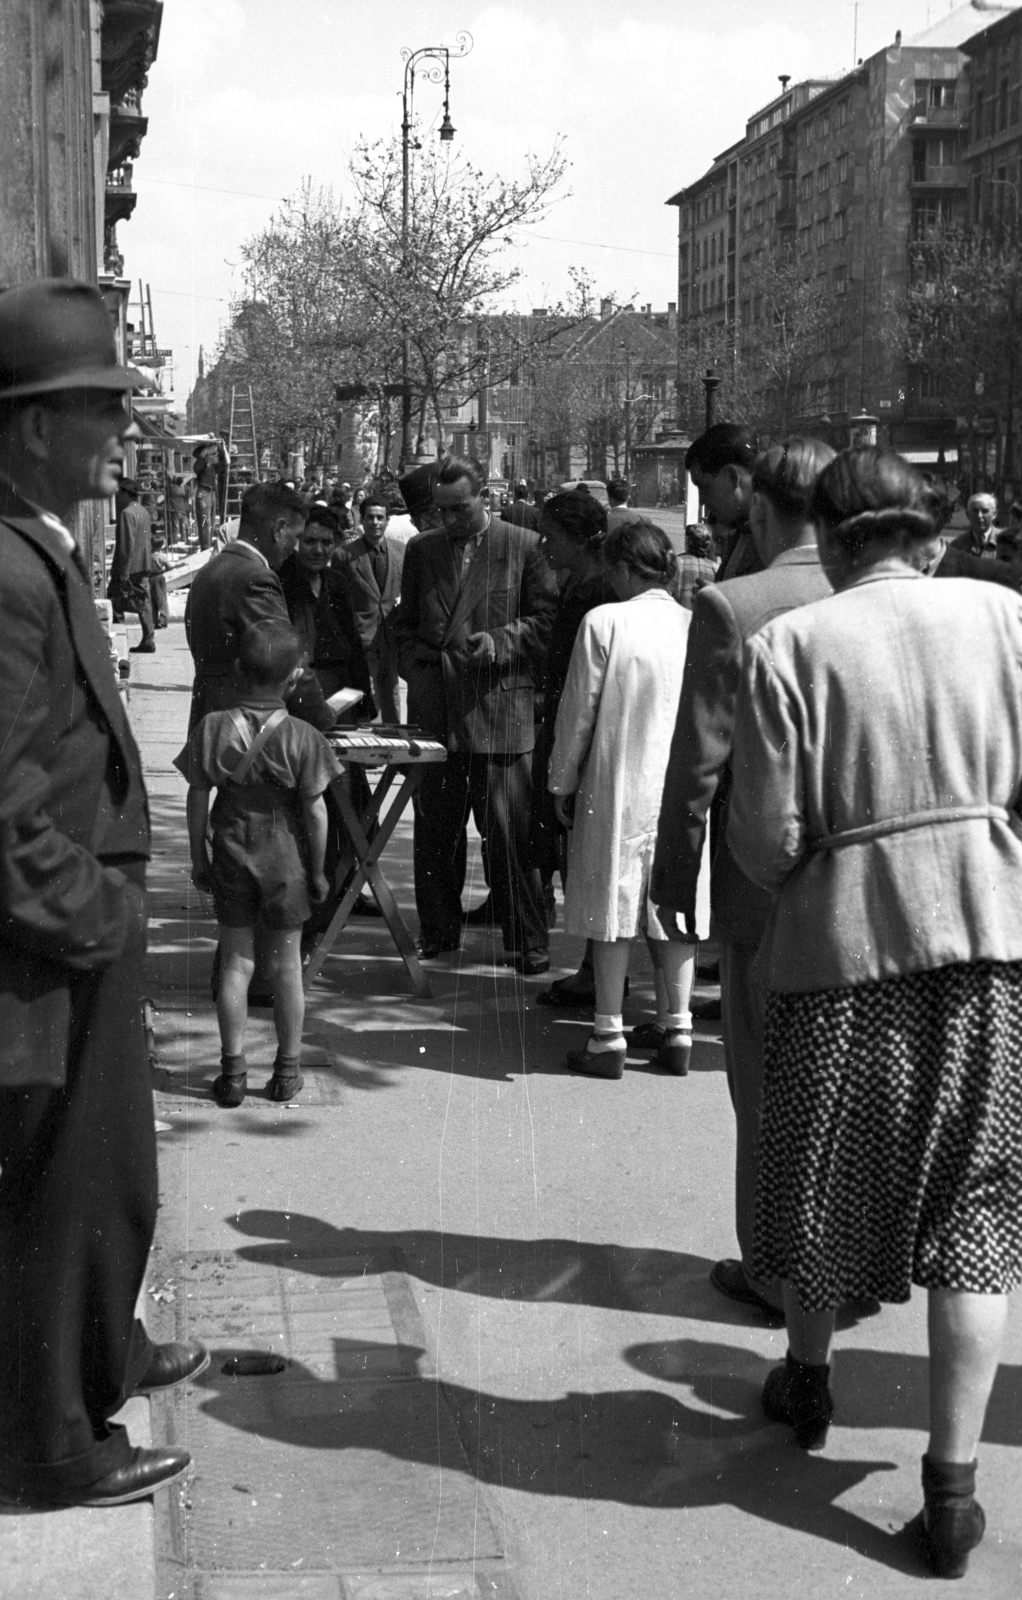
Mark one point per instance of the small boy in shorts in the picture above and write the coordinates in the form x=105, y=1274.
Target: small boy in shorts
x=269, y=826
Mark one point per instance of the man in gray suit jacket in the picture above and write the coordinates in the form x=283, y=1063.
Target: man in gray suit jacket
x=477, y=606
x=698, y=781
x=371, y=567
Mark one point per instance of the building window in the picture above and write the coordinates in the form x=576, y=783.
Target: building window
x=824, y=124
x=805, y=241
x=842, y=168
x=840, y=225
x=706, y=254
x=840, y=279
x=746, y=218
x=978, y=115
x=759, y=213
x=842, y=113
x=942, y=93
x=772, y=158
x=823, y=178
x=683, y=261
x=1002, y=106
x=805, y=187
x=1014, y=113
x=822, y=231
x=713, y=250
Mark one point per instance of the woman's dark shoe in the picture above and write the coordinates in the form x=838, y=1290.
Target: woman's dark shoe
x=597, y=1063
x=951, y=1523
x=799, y=1395
x=675, y=1053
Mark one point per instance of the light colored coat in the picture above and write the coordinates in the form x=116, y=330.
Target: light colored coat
x=612, y=740
x=877, y=774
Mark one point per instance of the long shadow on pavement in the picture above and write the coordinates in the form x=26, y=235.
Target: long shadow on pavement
x=634, y=1447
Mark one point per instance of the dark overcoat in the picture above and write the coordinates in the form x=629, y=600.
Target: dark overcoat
x=71, y=790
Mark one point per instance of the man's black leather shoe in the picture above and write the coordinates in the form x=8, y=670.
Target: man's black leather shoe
x=428, y=949
x=147, y=1471
x=171, y=1364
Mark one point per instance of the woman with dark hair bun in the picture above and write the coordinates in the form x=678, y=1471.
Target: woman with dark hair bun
x=613, y=737
x=877, y=785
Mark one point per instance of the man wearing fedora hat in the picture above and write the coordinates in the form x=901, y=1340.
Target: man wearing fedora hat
x=77, y=1145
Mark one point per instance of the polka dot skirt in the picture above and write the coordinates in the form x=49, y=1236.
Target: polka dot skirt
x=891, y=1138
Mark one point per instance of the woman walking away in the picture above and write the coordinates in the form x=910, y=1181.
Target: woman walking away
x=607, y=766
x=878, y=771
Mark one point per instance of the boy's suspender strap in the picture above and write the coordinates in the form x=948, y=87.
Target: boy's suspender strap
x=244, y=766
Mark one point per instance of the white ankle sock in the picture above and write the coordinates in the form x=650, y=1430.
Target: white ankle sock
x=607, y=1033
x=677, y=1022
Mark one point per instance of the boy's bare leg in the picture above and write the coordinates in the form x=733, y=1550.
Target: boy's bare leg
x=284, y=959
x=237, y=964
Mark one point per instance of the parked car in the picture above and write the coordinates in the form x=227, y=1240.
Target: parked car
x=595, y=486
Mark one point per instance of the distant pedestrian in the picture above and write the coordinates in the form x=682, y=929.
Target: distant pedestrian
x=617, y=499
x=131, y=563
x=205, y=465
x=370, y=568
x=696, y=567
x=606, y=774
x=983, y=533
x=520, y=511
x=178, y=509
x=159, y=562
x=269, y=828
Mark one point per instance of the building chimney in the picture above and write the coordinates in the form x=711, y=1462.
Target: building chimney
x=606, y=309
x=784, y=78
x=672, y=314
x=897, y=40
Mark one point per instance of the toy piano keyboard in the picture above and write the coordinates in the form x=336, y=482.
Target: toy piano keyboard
x=381, y=746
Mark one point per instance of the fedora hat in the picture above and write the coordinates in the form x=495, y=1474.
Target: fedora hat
x=56, y=334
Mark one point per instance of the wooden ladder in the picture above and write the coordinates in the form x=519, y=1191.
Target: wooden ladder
x=243, y=469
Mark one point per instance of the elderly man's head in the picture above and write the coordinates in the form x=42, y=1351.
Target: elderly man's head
x=982, y=512
x=64, y=415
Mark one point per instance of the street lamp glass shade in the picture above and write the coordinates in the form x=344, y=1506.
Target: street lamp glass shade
x=446, y=128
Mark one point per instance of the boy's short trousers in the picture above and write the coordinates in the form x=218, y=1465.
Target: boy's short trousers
x=258, y=869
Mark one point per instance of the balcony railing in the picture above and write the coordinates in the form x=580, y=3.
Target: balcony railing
x=938, y=177
x=938, y=116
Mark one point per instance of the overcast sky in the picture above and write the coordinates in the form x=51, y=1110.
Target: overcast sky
x=246, y=97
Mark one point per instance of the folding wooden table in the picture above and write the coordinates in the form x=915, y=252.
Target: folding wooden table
x=403, y=753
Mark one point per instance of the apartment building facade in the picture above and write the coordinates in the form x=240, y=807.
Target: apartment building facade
x=837, y=179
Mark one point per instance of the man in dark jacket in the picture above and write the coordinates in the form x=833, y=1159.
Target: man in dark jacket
x=698, y=779
x=370, y=568
x=239, y=586
x=77, y=1147
x=477, y=605
x=132, y=563
x=720, y=464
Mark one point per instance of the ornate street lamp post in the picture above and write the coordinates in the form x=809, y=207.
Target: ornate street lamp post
x=438, y=72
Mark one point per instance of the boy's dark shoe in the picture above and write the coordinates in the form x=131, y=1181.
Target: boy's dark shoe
x=287, y=1080
x=229, y=1088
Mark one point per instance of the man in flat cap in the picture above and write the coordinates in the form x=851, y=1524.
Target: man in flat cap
x=77, y=1145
